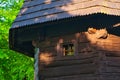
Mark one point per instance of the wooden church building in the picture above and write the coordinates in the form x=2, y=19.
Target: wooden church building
x=69, y=39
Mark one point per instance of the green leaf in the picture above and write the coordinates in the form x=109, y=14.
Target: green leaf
x=13, y=65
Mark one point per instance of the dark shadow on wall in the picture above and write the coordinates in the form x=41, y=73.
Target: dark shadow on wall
x=53, y=18
x=114, y=31
x=55, y=22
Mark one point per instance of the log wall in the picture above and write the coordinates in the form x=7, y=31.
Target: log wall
x=94, y=59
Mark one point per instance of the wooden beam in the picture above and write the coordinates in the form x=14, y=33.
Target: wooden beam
x=36, y=75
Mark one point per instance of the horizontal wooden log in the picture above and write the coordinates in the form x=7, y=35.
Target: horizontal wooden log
x=109, y=45
x=72, y=62
x=113, y=59
x=67, y=60
x=113, y=63
x=112, y=43
x=45, y=44
x=81, y=52
x=50, y=49
x=112, y=53
x=112, y=69
x=113, y=78
x=80, y=56
x=85, y=78
x=108, y=48
x=106, y=41
x=64, y=58
x=75, y=77
x=112, y=48
x=113, y=37
x=53, y=41
x=68, y=70
x=109, y=74
x=85, y=48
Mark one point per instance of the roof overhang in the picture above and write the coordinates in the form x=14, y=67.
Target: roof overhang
x=41, y=19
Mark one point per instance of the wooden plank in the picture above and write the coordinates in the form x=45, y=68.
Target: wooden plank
x=68, y=70
x=113, y=63
x=59, y=7
x=80, y=56
x=36, y=64
x=112, y=43
x=55, y=7
x=71, y=62
x=37, y=2
x=75, y=77
x=113, y=78
x=43, y=2
x=30, y=3
x=112, y=53
x=52, y=42
x=112, y=69
x=114, y=59
x=109, y=43
x=109, y=74
x=85, y=48
x=51, y=50
x=104, y=77
x=112, y=48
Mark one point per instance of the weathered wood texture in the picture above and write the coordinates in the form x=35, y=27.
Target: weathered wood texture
x=36, y=64
x=68, y=66
x=91, y=68
x=85, y=43
x=75, y=69
x=75, y=77
x=40, y=11
x=97, y=59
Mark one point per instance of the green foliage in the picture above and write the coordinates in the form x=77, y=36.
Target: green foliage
x=13, y=66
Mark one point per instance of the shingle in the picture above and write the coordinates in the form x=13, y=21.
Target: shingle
x=63, y=14
x=44, y=6
x=61, y=7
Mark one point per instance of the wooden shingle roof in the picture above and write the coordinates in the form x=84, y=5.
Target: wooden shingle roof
x=59, y=15
x=39, y=11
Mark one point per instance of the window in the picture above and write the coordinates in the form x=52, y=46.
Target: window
x=68, y=49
